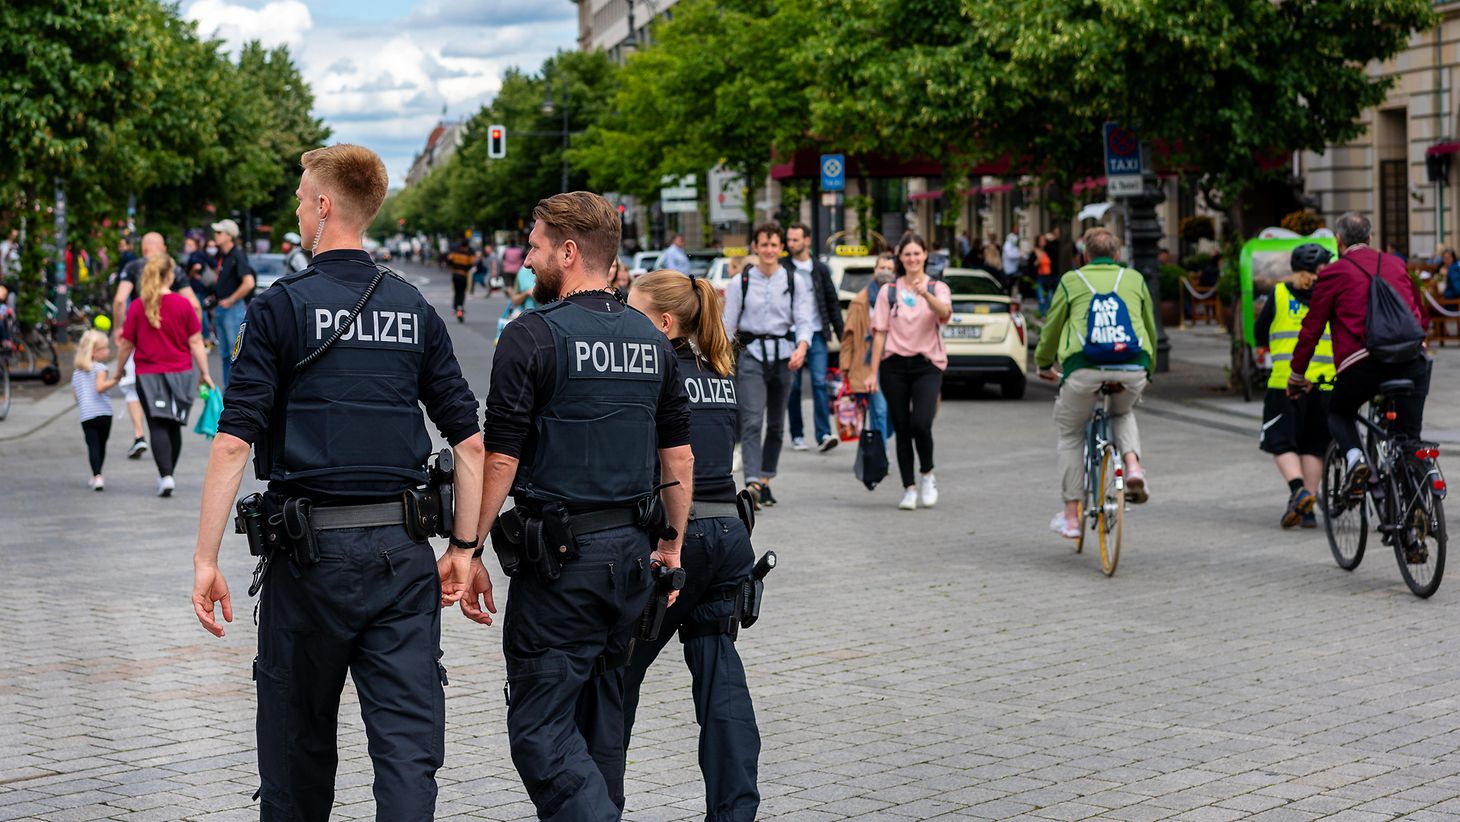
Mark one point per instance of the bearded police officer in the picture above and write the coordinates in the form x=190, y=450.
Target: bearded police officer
x=330, y=373
x=584, y=392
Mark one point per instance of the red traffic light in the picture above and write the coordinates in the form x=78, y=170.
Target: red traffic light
x=496, y=134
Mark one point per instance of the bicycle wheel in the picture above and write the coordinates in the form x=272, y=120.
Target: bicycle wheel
x=1345, y=520
x=1086, y=504
x=1110, y=522
x=1422, y=538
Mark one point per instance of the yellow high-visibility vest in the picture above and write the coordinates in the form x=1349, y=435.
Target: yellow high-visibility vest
x=1287, y=322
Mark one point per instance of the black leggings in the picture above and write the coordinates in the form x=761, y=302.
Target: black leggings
x=97, y=430
x=1360, y=382
x=166, y=442
x=458, y=291
x=911, y=386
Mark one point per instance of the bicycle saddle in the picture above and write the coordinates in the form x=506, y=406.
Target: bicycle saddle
x=1394, y=388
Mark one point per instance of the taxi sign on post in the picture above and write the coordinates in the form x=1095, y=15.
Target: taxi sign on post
x=833, y=172
x=853, y=251
x=1122, y=161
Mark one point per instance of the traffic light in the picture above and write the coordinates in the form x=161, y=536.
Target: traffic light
x=496, y=142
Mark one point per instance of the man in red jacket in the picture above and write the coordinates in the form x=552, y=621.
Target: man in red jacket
x=1341, y=301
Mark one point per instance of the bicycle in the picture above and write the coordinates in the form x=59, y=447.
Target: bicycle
x=1103, y=507
x=4, y=379
x=1405, y=495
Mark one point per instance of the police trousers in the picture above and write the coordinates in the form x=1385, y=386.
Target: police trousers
x=717, y=556
x=370, y=606
x=565, y=721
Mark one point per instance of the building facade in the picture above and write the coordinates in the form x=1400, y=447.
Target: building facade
x=606, y=25
x=441, y=143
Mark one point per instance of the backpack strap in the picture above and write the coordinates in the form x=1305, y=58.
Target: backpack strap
x=1081, y=275
x=891, y=298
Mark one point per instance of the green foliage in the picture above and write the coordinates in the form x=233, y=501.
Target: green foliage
x=1171, y=276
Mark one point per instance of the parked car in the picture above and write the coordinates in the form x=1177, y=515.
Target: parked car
x=985, y=338
x=644, y=262
x=267, y=269
x=700, y=260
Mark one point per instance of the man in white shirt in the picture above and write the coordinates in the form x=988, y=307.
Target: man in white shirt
x=674, y=256
x=770, y=312
x=1012, y=256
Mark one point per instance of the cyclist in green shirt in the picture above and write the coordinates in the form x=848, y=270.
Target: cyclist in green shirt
x=1101, y=328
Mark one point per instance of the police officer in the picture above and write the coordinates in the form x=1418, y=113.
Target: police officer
x=330, y=373
x=717, y=553
x=584, y=392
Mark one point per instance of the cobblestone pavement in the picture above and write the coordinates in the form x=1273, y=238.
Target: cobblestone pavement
x=960, y=662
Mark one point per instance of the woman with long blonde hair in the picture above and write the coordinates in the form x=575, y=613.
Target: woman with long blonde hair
x=717, y=554
x=167, y=340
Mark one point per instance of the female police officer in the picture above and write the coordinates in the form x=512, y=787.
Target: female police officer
x=584, y=392
x=717, y=555
x=329, y=376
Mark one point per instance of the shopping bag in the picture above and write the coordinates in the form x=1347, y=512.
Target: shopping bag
x=207, y=424
x=871, y=464
x=511, y=313
x=849, y=410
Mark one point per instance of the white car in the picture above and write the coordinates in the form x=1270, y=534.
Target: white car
x=985, y=338
x=644, y=262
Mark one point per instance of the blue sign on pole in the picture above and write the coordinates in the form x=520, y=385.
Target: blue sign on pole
x=1122, y=151
x=833, y=172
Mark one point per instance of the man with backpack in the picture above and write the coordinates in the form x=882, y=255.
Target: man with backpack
x=1377, y=318
x=1101, y=328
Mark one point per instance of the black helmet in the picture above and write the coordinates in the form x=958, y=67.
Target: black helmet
x=1309, y=257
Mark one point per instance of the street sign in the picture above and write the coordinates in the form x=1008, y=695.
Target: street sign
x=727, y=196
x=1122, y=161
x=678, y=195
x=831, y=199
x=833, y=172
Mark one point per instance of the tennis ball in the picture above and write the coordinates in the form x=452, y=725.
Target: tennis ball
x=102, y=323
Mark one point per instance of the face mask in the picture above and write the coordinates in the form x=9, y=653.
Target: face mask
x=212, y=251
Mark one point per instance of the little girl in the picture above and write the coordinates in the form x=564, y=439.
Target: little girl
x=91, y=380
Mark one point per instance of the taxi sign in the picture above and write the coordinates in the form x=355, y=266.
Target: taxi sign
x=735, y=251
x=853, y=251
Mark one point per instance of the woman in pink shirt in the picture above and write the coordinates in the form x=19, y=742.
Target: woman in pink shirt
x=908, y=360
x=168, y=342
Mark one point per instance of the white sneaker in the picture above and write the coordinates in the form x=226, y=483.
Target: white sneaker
x=927, y=491
x=909, y=500
x=799, y=444
x=827, y=443
x=165, y=487
x=97, y=483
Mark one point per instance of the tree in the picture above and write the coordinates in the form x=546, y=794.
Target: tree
x=1218, y=85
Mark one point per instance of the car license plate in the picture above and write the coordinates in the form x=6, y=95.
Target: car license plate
x=963, y=332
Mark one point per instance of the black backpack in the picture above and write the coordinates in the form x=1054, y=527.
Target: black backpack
x=1391, y=333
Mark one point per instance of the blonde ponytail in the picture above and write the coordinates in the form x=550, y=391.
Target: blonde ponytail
x=695, y=306
x=156, y=281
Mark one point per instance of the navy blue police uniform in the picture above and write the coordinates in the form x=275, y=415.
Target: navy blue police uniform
x=347, y=433
x=584, y=393
x=717, y=558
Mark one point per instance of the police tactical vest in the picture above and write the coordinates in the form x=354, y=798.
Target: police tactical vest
x=351, y=424
x=595, y=443
x=712, y=426
x=1287, y=323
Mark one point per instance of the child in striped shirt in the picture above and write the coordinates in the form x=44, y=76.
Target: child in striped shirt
x=90, y=380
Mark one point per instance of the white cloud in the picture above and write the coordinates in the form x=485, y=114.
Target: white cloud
x=281, y=22
x=385, y=84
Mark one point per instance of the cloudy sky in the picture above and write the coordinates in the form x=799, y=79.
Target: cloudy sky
x=383, y=70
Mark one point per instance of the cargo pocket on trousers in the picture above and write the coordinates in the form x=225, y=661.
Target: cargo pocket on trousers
x=275, y=730
x=526, y=674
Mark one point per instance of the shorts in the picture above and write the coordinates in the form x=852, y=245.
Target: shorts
x=1295, y=426
x=128, y=382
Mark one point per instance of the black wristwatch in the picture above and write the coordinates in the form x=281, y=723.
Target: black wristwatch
x=461, y=543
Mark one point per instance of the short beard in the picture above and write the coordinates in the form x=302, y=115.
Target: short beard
x=548, y=287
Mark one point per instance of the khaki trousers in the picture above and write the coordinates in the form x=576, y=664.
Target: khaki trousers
x=1072, y=408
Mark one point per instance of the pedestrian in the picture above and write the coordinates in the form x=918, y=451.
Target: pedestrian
x=1120, y=354
x=855, y=357
x=908, y=363
x=1013, y=258
x=618, y=279
x=91, y=378
x=828, y=327
x=485, y=273
x=770, y=312
x=717, y=556
x=234, y=289
x=125, y=254
x=128, y=292
x=512, y=257
x=674, y=257
x=965, y=247
x=296, y=256
x=166, y=337
x=1340, y=303
x=1042, y=265
x=1295, y=430
x=1450, y=269
x=355, y=588
x=460, y=260
x=585, y=394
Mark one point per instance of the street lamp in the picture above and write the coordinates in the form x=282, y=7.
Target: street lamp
x=547, y=108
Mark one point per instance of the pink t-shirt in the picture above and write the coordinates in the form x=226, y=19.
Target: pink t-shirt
x=913, y=330
x=162, y=350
